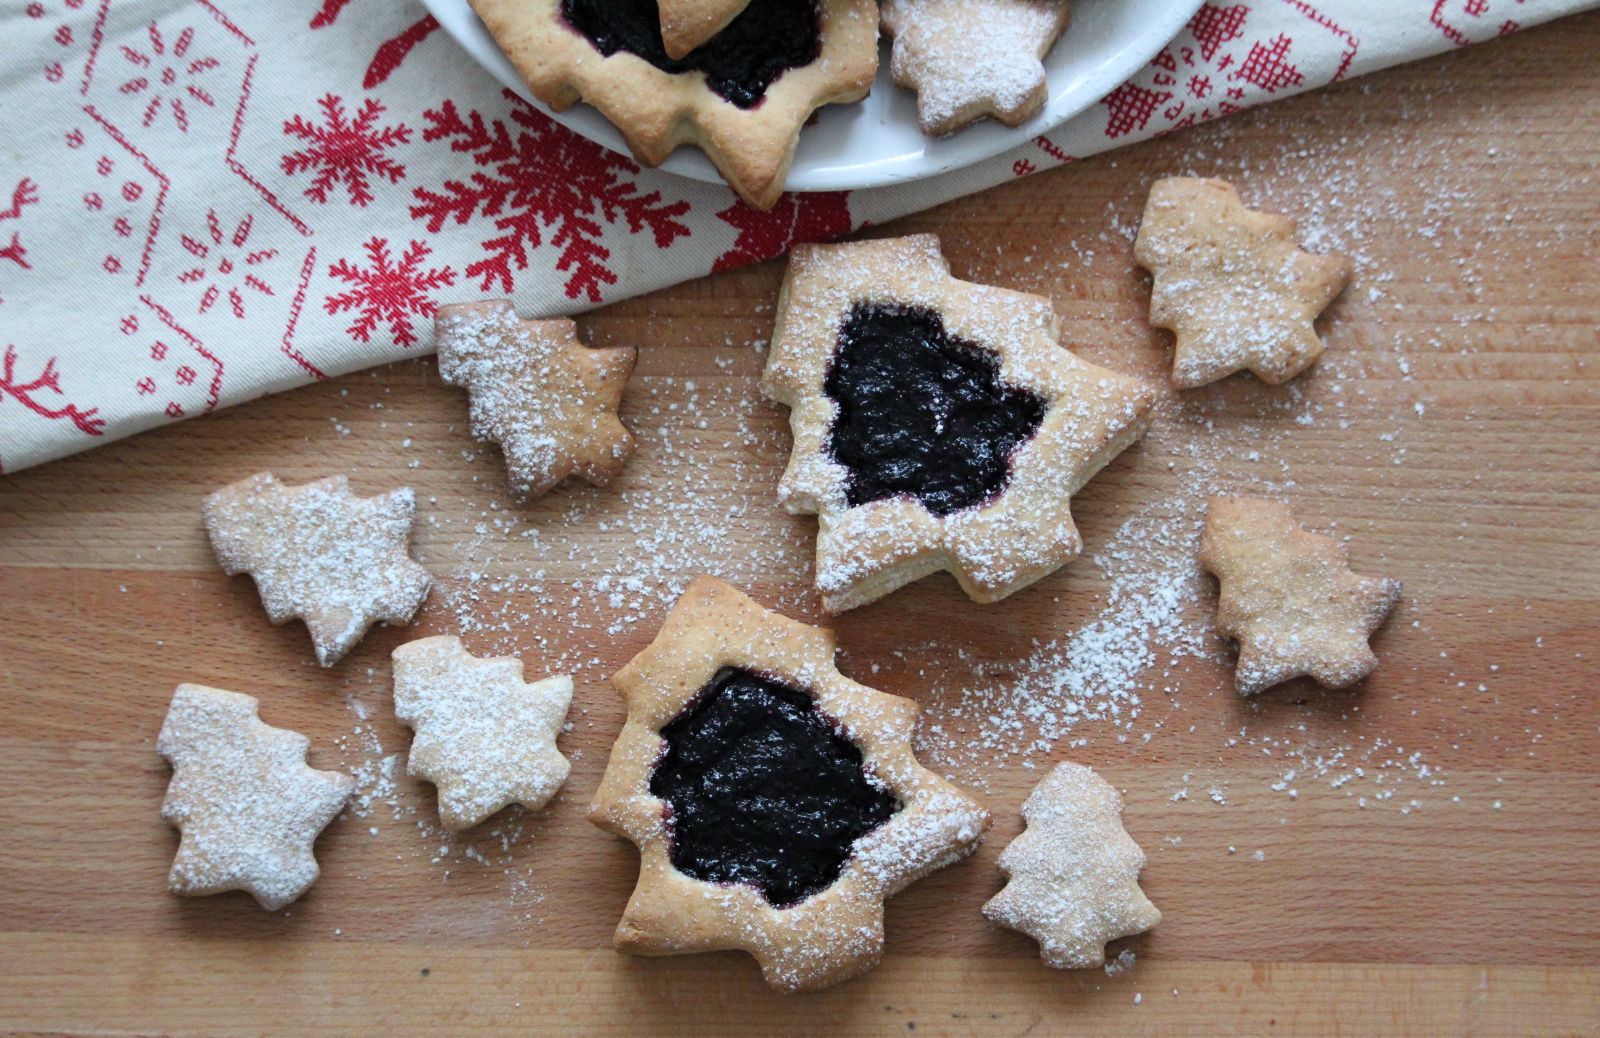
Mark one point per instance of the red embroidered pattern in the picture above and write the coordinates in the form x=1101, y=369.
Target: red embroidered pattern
x=27, y=394
x=817, y=216
x=345, y=150
x=388, y=292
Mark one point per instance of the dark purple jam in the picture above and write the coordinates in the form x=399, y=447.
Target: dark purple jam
x=764, y=41
x=763, y=790
x=922, y=412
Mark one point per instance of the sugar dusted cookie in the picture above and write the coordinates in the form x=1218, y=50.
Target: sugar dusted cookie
x=484, y=737
x=686, y=24
x=742, y=97
x=1231, y=284
x=967, y=59
x=548, y=400
x=1073, y=873
x=775, y=803
x=937, y=424
x=339, y=562
x=1288, y=597
x=242, y=796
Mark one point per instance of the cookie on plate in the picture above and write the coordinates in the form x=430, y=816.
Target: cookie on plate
x=686, y=24
x=742, y=97
x=968, y=59
x=1231, y=284
x=775, y=802
x=1073, y=873
x=1288, y=597
x=938, y=424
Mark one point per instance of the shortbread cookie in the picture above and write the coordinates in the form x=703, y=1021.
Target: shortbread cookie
x=247, y=805
x=1231, y=284
x=1288, y=597
x=742, y=97
x=775, y=802
x=937, y=424
x=549, y=401
x=318, y=552
x=967, y=59
x=1073, y=873
x=484, y=737
x=686, y=24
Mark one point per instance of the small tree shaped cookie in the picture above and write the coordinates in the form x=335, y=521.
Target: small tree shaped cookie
x=1073, y=872
x=967, y=59
x=549, y=401
x=485, y=737
x=318, y=552
x=241, y=794
x=1288, y=597
x=1231, y=284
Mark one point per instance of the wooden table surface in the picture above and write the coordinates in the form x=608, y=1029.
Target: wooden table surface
x=1419, y=855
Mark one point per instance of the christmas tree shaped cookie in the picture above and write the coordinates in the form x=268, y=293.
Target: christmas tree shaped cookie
x=938, y=424
x=549, y=401
x=339, y=562
x=1231, y=284
x=1288, y=597
x=241, y=794
x=1073, y=872
x=485, y=737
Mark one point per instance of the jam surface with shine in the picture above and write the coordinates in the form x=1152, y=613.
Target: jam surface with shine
x=763, y=790
x=767, y=39
x=921, y=412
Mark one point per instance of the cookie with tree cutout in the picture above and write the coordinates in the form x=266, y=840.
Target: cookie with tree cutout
x=1231, y=284
x=742, y=97
x=1073, y=873
x=938, y=424
x=970, y=59
x=318, y=552
x=248, y=806
x=775, y=802
x=549, y=401
x=1289, y=597
x=484, y=737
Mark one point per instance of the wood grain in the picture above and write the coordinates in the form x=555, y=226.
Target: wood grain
x=1450, y=432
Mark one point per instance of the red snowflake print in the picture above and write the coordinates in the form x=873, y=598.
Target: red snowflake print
x=168, y=78
x=796, y=218
x=23, y=195
x=535, y=177
x=391, y=52
x=226, y=262
x=30, y=394
x=1213, y=26
x=1130, y=107
x=345, y=150
x=1267, y=66
x=388, y=292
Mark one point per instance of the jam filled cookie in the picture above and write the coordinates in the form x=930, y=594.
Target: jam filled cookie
x=1288, y=597
x=967, y=59
x=1073, y=874
x=1231, y=284
x=485, y=738
x=549, y=401
x=937, y=424
x=686, y=24
x=339, y=562
x=775, y=802
x=248, y=806
x=742, y=97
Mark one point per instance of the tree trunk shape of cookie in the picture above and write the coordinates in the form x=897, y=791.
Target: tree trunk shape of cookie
x=318, y=552
x=1289, y=598
x=1073, y=873
x=549, y=401
x=484, y=737
x=1231, y=284
x=723, y=665
x=937, y=424
x=248, y=806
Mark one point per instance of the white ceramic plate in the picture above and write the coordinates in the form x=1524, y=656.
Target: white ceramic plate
x=877, y=141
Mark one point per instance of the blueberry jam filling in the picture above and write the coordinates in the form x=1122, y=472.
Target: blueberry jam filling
x=922, y=412
x=763, y=42
x=763, y=790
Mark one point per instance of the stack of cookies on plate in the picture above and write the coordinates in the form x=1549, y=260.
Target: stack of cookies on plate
x=739, y=78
